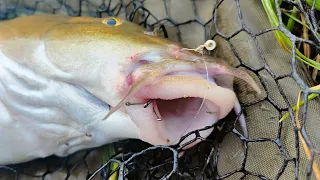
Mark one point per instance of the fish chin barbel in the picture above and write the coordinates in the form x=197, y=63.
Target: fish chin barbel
x=61, y=75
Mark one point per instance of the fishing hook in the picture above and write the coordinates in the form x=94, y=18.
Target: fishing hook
x=145, y=105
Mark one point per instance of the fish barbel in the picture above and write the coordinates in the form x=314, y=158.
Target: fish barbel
x=71, y=83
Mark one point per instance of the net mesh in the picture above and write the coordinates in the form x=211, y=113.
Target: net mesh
x=245, y=38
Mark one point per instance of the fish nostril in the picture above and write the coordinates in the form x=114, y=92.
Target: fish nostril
x=142, y=62
x=129, y=79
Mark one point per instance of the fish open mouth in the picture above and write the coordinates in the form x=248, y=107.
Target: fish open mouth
x=181, y=104
x=174, y=97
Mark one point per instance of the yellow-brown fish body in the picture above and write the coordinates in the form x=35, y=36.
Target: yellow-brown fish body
x=70, y=83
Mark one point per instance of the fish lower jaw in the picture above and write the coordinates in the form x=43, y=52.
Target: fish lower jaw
x=180, y=105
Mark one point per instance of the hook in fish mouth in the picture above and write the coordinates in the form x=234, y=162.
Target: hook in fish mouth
x=174, y=105
x=183, y=98
x=145, y=105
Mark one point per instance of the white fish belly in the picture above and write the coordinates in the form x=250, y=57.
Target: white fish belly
x=42, y=117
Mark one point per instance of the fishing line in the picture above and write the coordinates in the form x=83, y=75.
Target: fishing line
x=209, y=45
x=203, y=100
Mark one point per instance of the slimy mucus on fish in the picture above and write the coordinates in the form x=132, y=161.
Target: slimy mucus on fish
x=60, y=76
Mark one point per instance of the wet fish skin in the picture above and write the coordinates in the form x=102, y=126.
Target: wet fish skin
x=60, y=76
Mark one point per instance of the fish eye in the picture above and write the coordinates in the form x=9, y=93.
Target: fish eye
x=112, y=21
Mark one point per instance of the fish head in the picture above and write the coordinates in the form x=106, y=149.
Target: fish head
x=166, y=91
x=171, y=98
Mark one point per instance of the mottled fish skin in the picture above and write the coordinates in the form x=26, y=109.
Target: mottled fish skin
x=60, y=76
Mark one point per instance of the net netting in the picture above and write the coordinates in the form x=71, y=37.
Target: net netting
x=245, y=38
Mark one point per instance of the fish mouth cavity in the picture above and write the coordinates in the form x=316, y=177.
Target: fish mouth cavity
x=179, y=103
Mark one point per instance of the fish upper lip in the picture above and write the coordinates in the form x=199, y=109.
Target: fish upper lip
x=168, y=88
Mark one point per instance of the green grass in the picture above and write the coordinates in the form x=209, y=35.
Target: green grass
x=109, y=152
x=294, y=108
x=317, y=5
x=283, y=40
